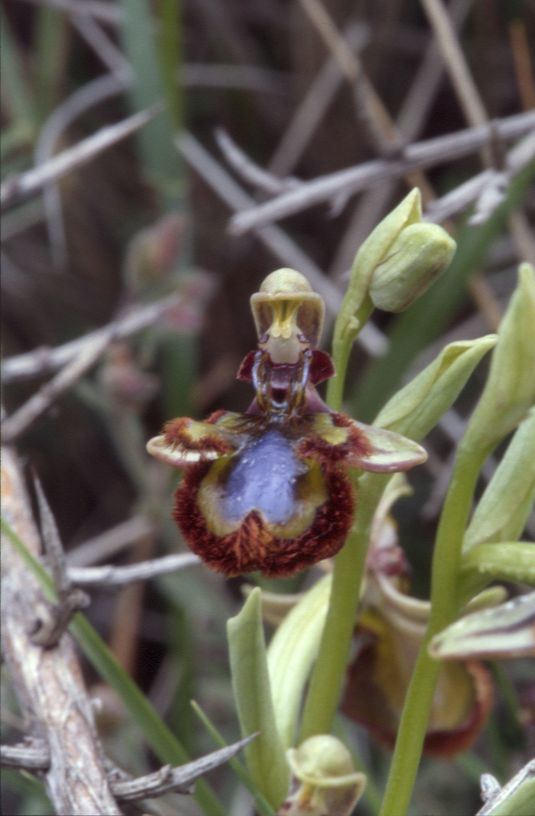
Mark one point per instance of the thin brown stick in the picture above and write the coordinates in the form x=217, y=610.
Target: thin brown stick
x=126, y=623
x=413, y=113
x=455, y=62
x=312, y=108
x=374, y=113
x=48, y=682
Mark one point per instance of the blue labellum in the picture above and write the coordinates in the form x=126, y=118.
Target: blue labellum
x=263, y=478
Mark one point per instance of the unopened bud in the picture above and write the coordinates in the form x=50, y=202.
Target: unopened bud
x=420, y=253
x=324, y=780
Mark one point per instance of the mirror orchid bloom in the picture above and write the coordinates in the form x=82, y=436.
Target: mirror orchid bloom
x=268, y=489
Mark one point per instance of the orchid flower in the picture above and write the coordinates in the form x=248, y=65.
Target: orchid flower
x=269, y=489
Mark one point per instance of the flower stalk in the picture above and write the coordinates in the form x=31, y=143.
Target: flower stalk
x=506, y=399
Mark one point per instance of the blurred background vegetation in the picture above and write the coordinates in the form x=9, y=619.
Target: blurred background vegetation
x=144, y=219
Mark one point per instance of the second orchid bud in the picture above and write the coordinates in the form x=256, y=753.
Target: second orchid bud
x=420, y=253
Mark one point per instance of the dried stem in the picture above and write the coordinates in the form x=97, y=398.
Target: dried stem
x=110, y=542
x=48, y=682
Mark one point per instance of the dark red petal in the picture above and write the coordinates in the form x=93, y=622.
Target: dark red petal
x=253, y=546
x=322, y=367
x=245, y=371
x=320, y=449
x=177, y=434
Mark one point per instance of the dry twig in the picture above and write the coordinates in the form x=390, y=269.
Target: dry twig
x=167, y=779
x=19, y=422
x=351, y=180
x=48, y=360
x=249, y=171
x=112, y=576
x=274, y=238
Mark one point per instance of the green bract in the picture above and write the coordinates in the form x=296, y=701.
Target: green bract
x=417, y=408
x=291, y=654
x=265, y=756
x=508, y=499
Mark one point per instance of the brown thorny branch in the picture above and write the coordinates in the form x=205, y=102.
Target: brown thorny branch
x=74, y=359
x=18, y=187
x=354, y=179
x=63, y=746
x=45, y=360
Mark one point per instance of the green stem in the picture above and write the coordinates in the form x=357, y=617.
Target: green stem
x=329, y=670
x=444, y=608
x=342, y=344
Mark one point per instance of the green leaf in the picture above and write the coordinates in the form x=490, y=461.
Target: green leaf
x=152, y=85
x=291, y=655
x=500, y=632
x=515, y=798
x=265, y=757
x=509, y=392
x=507, y=502
x=417, y=408
x=16, y=89
x=262, y=806
x=504, y=561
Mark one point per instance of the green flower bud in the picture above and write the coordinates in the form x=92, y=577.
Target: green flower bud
x=375, y=249
x=498, y=560
x=420, y=253
x=324, y=779
x=396, y=263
